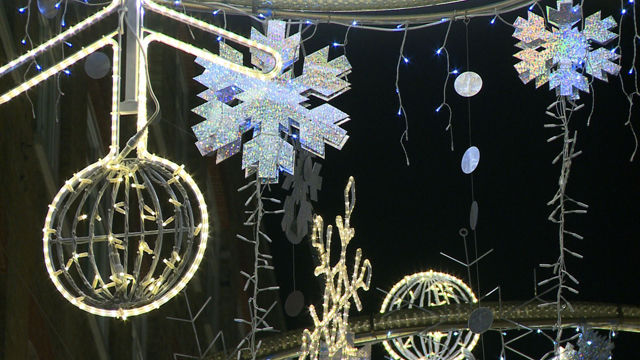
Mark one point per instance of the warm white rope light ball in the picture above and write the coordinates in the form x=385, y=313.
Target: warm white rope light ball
x=427, y=289
x=122, y=239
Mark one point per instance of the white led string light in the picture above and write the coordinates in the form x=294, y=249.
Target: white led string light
x=225, y=34
x=44, y=75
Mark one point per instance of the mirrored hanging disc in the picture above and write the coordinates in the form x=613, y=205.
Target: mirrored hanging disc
x=473, y=215
x=468, y=84
x=48, y=8
x=470, y=160
x=480, y=320
x=294, y=303
x=468, y=355
x=97, y=65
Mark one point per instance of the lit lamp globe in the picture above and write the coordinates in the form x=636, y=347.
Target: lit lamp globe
x=121, y=239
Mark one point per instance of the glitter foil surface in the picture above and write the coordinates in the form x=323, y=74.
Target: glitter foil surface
x=273, y=109
x=592, y=346
x=563, y=56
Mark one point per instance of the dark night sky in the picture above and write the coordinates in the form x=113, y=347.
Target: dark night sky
x=406, y=215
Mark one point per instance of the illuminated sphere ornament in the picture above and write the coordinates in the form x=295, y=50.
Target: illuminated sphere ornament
x=468, y=84
x=121, y=239
x=428, y=289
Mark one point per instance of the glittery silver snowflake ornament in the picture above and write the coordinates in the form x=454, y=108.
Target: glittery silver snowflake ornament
x=592, y=346
x=563, y=55
x=237, y=103
x=566, y=353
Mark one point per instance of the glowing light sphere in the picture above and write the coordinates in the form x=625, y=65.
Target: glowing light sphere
x=121, y=239
x=428, y=289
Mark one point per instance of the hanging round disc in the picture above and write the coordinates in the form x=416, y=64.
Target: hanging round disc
x=468, y=84
x=468, y=355
x=48, y=8
x=480, y=320
x=470, y=160
x=473, y=215
x=294, y=303
x=97, y=65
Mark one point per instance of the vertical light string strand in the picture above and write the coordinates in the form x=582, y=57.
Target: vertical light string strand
x=250, y=344
x=401, y=110
x=635, y=91
x=27, y=38
x=563, y=110
x=444, y=88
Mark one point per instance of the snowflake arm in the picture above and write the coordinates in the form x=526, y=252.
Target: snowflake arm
x=600, y=63
x=597, y=30
x=324, y=79
x=289, y=47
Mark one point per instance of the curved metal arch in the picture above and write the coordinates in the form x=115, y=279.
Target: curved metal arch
x=375, y=328
x=347, y=11
x=356, y=5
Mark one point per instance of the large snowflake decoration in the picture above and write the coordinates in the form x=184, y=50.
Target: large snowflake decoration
x=592, y=346
x=275, y=109
x=561, y=56
x=566, y=353
x=330, y=336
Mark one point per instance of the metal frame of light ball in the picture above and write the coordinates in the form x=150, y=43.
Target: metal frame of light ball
x=124, y=313
x=408, y=282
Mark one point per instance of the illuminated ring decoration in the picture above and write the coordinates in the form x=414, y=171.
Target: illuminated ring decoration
x=121, y=239
x=427, y=289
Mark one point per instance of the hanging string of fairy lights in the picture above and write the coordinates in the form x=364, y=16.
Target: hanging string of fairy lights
x=633, y=71
x=450, y=72
x=563, y=58
x=250, y=344
x=401, y=111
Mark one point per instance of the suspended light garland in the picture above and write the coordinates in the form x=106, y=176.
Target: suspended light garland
x=561, y=57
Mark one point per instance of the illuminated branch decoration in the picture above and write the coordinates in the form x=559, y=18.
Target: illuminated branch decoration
x=237, y=103
x=331, y=332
